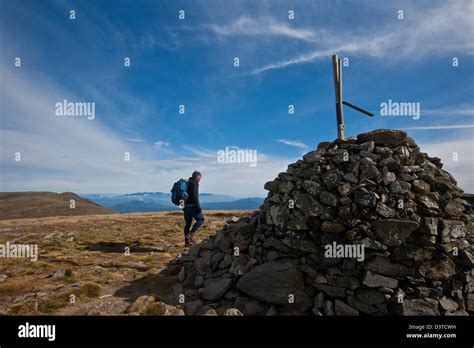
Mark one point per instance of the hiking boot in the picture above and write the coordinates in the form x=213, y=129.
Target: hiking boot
x=189, y=241
x=191, y=238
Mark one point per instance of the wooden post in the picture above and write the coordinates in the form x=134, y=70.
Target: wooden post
x=337, y=73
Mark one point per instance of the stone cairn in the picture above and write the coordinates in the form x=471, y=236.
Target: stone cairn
x=369, y=225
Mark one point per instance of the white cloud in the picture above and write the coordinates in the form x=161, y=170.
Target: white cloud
x=441, y=127
x=294, y=143
x=75, y=154
x=199, y=151
x=462, y=110
x=461, y=168
x=159, y=144
x=446, y=29
x=245, y=26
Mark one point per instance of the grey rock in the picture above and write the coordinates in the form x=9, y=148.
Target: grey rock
x=351, y=178
x=328, y=308
x=333, y=291
x=310, y=157
x=388, y=178
x=385, y=211
x=368, y=200
x=393, y=232
x=374, y=280
x=429, y=225
x=342, y=308
x=210, y=313
x=318, y=300
x=333, y=227
x=420, y=186
x=308, y=205
x=216, y=290
x=382, y=265
x=232, y=312
x=360, y=306
x=332, y=178
x=191, y=308
x=272, y=255
x=451, y=230
x=417, y=307
x=328, y=198
x=370, y=172
x=301, y=244
x=437, y=269
x=448, y=304
x=383, y=137
x=369, y=296
x=297, y=223
x=273, y=282
x=272, y=186
x=286, y=186
x=181, y=275
x=343, y=281
x=312, y=272
x=427, y=202
x=272, y=311
x=312, y=187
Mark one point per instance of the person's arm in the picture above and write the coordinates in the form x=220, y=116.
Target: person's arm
x=196, y=196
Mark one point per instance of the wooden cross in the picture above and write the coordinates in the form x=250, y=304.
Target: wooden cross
x=337, y=73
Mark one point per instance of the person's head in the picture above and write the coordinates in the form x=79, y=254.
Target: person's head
x=196, y=176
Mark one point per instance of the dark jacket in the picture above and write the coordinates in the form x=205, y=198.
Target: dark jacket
x=193, y=194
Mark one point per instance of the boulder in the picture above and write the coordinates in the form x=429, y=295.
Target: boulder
x=273, y=282
x=393, y=232
x=383, y=137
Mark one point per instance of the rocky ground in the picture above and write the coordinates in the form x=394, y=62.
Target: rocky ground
x=376, y=191
x=83, y=268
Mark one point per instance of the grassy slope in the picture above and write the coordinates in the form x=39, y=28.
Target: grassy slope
x=91, y=250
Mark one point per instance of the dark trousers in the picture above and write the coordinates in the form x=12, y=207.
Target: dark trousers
x=190, y=213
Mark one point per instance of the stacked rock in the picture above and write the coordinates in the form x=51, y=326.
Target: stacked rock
x=366, y=226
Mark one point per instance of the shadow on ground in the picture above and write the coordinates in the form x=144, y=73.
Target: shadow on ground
x=119, y=247
x=159, y=285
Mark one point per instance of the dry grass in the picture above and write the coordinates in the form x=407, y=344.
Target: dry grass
x=90, y=251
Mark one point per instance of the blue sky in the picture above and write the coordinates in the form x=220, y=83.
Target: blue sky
x=190, y=62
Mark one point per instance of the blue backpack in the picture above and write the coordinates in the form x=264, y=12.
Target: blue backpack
x=178, y=192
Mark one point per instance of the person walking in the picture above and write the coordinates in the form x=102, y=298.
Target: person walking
x=192, y=210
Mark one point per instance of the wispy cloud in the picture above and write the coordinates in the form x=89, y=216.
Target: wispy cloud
x=463, y=110
x=294, y=143
x=135, y=140
x=199, y=151
x=265, y=26
x=168, y=40
x=441, y=127
x=445, y=29
x=159, y=144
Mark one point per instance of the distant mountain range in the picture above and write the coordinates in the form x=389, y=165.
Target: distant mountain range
x=138, y=202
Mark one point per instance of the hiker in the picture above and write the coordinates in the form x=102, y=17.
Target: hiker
x=192, y=209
